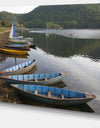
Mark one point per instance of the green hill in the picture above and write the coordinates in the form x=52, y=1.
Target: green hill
x=66, y=16
x=6, y=18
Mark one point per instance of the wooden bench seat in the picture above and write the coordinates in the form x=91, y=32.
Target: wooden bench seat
x=45, y=79
x=36, y=92
x=35, y=79
x=49, y=94
x=62, y=96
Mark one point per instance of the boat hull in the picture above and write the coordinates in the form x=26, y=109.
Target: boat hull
x=52, y=101
x=49, y=82
x=17, y=40
x=18, y=46
x=16, y=52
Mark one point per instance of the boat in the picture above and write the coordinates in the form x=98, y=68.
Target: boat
x=17, y=40
x=29, y=39
x=52, y=95
x=20, y=68
x=14, y=51
x=37, y=79
x=13, y=36
x=18, y=45
x=9, y=43
x=73, y=34
x=18, y=48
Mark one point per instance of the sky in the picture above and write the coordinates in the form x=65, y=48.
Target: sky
x=25, y=6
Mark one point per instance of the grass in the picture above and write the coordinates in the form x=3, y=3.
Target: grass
x=2, y=29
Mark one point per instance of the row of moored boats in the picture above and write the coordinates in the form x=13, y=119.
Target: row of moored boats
x=17, y=45
x=38, y=86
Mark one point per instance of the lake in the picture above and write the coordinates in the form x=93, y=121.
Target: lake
x=76, y=51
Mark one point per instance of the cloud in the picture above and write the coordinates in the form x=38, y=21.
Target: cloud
x=24, y=6
x=42, y=2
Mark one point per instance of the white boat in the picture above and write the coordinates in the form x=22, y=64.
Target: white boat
x=73, y=34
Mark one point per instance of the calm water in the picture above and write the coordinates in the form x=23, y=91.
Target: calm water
x=74, y=51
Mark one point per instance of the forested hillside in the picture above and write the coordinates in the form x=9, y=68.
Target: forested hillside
x=59, y=16
x=83, y=16
x=6, y=19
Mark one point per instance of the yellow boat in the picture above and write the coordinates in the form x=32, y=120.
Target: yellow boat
x=14, y=51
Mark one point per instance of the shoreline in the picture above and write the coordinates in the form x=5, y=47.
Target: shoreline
x=7, y=94
x=4, y=37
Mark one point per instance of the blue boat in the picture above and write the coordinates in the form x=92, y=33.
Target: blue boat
x=17, y=39
x=20, y=68
x=52, y=95
x=13, y=35
x=37, y=79
x=18, y=45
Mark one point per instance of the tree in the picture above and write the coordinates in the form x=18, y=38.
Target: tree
x=4, y=23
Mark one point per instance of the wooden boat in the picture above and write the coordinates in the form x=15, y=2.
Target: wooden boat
x=37, y=79
x=18, y=45
x=18, y=48
x=29, y=39
x=52, y=95
x=20, y=68
x=14, y=51
x=15, y=40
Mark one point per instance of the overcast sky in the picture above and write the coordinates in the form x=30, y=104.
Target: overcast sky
x=24, y=6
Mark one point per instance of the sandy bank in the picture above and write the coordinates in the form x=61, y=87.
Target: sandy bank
x=4, y=37
x=7, y=93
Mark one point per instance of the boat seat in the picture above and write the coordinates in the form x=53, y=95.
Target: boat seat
x=45, y=79
x=49, y=94
x=62, y=96
x=19, y=68
x=35, y=79
x=36, y=92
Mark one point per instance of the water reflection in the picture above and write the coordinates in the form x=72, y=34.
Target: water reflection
x=8, y=60
x=82, y=108
x=32, y=70
x=66, y=47
x=13, y=56
x=80, y=58
x=2, y=57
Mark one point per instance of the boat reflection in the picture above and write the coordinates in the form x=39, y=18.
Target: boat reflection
x=82, y=108
x=32, y=70
x=14, y=56
x=2, y=57
x=60, y=84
